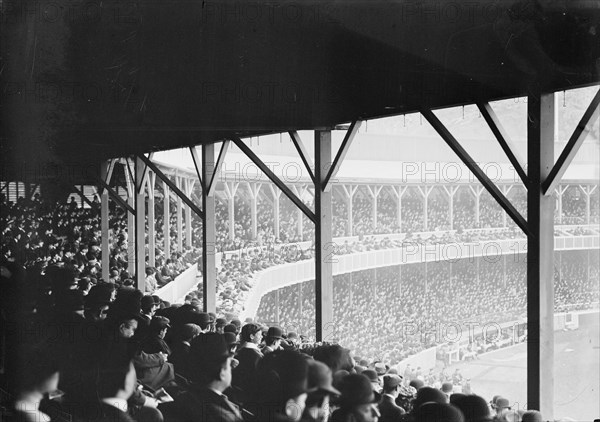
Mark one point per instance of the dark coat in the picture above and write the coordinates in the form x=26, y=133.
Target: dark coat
x=204, y=405
x=390, y=411
x=245, y=374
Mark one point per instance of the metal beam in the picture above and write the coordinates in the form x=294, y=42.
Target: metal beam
x=197, y=165
x=303, y=153
x=140, y=225
x=172, y=186
x=104, y=222
x=142, y=179
x=209, y=236
x=217, y=170
x=474, y=168
x=263, y=167
x=503, y=139
x=341, y=154
x=324, y=246
x=566, y=157
x=540, y=256
x=82, y=195
x=114, y=195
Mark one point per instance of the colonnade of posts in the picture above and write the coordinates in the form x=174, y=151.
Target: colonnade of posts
x=541, y=180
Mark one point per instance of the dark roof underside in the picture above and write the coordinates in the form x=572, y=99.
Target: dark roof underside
x=99, y=79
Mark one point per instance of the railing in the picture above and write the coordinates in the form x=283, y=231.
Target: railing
x=427, y=358
x=176, y=290
x=285, y=275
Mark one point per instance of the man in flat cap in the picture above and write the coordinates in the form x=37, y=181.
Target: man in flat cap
x=390, y=411
x=210, y=373
x=358, y=402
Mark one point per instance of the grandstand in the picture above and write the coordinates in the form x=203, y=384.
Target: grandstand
x=444, y=217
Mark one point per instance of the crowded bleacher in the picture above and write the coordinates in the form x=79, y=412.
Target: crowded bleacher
x=171, y=361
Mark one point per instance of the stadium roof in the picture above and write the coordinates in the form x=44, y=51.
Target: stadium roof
x=89, y=80
x=239, y=168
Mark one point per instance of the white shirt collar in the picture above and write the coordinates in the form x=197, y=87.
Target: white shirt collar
x=250, y=345
x=120, y=404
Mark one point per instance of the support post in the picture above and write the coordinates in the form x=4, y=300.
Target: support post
x=230, y=191
x=151, y=220
x=253, y=192
x=167, y=221
x=540, y=248
x=104, y=223
x=374, y=192
x=179, y=216
x=323, y=238
x=276, y=194
x=399, y=193
x=476, y=191
x=209, y=237
x=451, y=191
x=560, y=191
x=425, y=191
x=140, y=225
x=299, y=191
x=130, y=220
x=349, y=190
x=189, y=186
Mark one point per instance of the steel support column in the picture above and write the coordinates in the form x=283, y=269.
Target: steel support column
x=324, y=247
x=104, y=223
x=151, y=220
x=130, y=220
x=166, y=221
x=540, y=257
x=179, y=216
x=209, y=229
x=189, y=186
x=140, y=225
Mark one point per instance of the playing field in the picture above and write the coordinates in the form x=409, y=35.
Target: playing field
x=577, y=374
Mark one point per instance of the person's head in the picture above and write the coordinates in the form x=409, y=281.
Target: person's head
x=220, y=324
x=282, y=382
x=84, y=284
x=96, y=312
x=203, y=320
x=502, y=405
x=474, y=408
x=190, y=331
x=320, y=388
x=210, y=361
x=438, y=412
x=334, y=356
x=274, y=337
x=251, y=333
x=127, y=327
x=117, y=380
x=429, y=394
x=358, y=399
x=147, y=305
x=391, y=384
x=39, y=373
x=159, y=326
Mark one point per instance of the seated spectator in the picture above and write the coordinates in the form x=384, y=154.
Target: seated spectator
x=181, y=349
x=36, y=379
x=210, y=372
x=390, y=411
x=438, y=412
x=248, y=355
x=116, y=384
x=473, y=408
x=357, y=402
x=320, y=389
x=151, y=365
x=273, y=340
x=282, y=378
